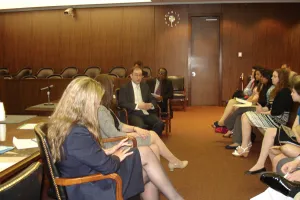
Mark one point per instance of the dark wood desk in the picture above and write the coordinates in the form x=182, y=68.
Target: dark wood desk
x=30, y=155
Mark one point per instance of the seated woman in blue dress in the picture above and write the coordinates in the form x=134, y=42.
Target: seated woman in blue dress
x=110, y=126
x=77, y=150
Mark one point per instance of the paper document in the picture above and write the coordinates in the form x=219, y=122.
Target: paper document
x=242, y=103
x=4, y=149
x=6, y=162
x=27, y=126
x=24, y=143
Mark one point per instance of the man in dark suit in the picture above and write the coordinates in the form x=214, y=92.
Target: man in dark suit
x=136, y=97
x=162, y=88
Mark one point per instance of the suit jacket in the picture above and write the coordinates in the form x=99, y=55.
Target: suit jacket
x=126, y=97
x=83, y=156
x=166, y=91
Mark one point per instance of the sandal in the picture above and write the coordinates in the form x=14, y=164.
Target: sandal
x=245, y=151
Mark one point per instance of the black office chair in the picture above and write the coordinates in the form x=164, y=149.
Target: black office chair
x=69, y=72
x=25, y=185
x=29, y=77
x=4, y=71
x=55, y=76
x=45, y=72
x=80, y=75
x=147, y=70
x=58, y=183
x=92, y=71
x=23, y=72
x=179, y=90
x=119, y=71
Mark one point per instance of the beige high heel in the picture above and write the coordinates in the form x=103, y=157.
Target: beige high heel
x=245, y=151
x=181, y=165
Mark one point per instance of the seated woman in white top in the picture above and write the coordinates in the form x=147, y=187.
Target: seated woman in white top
x=110, y=126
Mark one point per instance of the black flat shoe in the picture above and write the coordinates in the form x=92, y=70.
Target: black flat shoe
x=255, y=172
x=280, y=184
x=215, y=124
x=230, y=147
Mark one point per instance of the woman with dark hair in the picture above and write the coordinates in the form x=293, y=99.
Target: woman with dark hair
x=77, y=150
x=230, y=105
x=276, y=113
x=233, y=122
x=110, y=126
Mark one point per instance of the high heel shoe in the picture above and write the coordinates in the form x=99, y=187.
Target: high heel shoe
x=280, y=184
x=255, y=171
x=180, y=165
x=245, y=151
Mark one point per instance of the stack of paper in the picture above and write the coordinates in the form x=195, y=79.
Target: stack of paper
x=27, y=126
x=242, y=103
x=24, y=143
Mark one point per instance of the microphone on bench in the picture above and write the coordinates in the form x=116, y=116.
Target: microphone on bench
x=47, y=88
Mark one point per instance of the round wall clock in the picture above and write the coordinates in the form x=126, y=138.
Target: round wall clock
x=172, y=18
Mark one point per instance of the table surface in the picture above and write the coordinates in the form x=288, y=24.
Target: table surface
x=19, y=157
x=15, y=119
x=42, y=107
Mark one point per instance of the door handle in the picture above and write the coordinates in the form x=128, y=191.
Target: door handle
x=193, y=74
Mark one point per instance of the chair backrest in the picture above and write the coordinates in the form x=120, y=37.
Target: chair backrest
x=44, y=72
x=25, y=185
x=69, y=72
x=80, y=75
x=41, y=134
x=55, y=76
x=148, y=70
x=29, y=77
x=118, y=70
x=178, y=82
x=7, y=77
x=92, y=71
x=4, y=71
x=23, y=72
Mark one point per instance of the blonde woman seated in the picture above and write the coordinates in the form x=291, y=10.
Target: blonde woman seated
x=110, y=126
x=267, y=117
x=286, y=145
x=76, y=148
x=253, y=98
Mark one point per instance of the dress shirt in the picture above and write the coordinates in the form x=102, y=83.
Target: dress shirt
x=138, y=96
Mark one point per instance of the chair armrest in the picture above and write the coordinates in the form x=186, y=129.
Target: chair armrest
x=115, y=139
x=125, y=111
x=158, y=108
x=91, y=178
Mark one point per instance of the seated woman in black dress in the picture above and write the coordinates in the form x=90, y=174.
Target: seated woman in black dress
x=110, y=126
x=77, y=150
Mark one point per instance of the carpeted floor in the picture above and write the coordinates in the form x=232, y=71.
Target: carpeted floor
x=213, y=173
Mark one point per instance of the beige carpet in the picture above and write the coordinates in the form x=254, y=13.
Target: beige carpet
x=213, y=173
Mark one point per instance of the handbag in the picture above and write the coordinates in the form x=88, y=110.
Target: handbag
x=287, y=136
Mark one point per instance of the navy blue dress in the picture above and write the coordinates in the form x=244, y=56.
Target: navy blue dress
x=82, y=156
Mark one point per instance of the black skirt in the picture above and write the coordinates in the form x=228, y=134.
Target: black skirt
x=283, y=138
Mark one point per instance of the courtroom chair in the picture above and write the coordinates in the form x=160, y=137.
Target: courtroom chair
x=113, y=75
x=45, y=72
x=4, y=71
x=7, y=77
x=179, y=90
x=24, y=185
x=166, y=117
x=58, y=184
x=92, y=71
x=118, y=70
x=148, y=71
x=121, y=112
x=80, y=75
x=55, y=76
x=69, y=72
x=23, y=72
x=29, y=77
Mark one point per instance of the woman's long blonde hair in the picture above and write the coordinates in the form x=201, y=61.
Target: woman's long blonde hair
x=78, y=105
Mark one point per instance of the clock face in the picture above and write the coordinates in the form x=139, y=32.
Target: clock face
x=172, y=18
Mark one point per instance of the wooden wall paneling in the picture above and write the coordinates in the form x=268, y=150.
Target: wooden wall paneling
x=11, y=96
x=1, y=39
x=106, y=37
x=138, y=36
x=171, y=44
x=45, y=40
x=294, y=47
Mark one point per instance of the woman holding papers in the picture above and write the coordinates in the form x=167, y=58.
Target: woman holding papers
x=110, y=126
x=253, y=99
x=290, y=142
x=233, y=122
x=271, y=116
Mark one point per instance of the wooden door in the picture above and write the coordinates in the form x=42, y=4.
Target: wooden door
x=204, y=61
